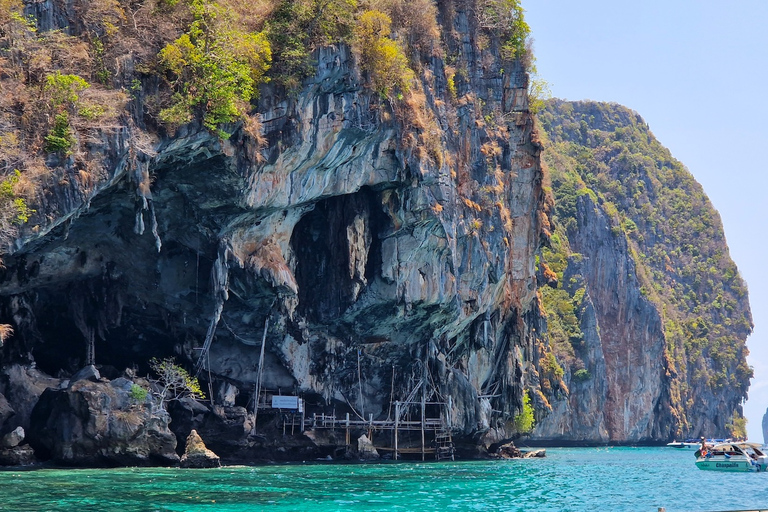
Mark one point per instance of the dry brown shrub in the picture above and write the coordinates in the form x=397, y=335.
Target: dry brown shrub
x=251, y=14
x=99, y=107
x=69, y=54
x=418, y=21
x=421, y=132
x=6, y=331
x=252, y=130
x=127, y=420
x=102, y=18
x=150, y=25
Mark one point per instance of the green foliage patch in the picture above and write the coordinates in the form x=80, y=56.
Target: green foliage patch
x=13, y=208
x=297, y=27
x=214, y=68
x=525, y=421
x=380, y=56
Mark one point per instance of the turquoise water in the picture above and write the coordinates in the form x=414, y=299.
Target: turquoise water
x=569, y=479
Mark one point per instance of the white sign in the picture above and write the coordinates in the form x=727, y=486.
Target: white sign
x=286, y=402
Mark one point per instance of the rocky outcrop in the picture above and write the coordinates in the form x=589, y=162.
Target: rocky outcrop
x=22, y=386
x=99, y=423
x=649, y=318
x=196, y=455
x=22, y=455
x=378, y=243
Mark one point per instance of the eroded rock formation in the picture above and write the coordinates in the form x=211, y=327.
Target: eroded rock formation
x=379, y=244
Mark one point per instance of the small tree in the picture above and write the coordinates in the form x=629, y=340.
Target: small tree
x=380, y=56
x=524, y=421
x=214, y=68
x=173, y=381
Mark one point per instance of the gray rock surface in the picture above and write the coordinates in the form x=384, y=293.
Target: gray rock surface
x=22, y=455
x=94, y=424
x=86, y=373
x=365, y=449
x=13, y=438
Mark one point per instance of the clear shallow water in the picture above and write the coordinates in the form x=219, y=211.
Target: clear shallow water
x=569, y=479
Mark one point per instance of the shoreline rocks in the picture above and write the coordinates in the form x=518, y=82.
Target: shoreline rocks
x=197, y=455
x=99, y=424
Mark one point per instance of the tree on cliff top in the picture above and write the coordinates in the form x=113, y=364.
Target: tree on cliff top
x=213, y=68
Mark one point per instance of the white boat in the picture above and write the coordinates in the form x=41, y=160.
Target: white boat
x=733, y=456
x=684, y=444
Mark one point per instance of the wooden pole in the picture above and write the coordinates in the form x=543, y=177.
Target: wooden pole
x=360, y=386
x=448, y=414
x=259, y=373
x=347, y=427
x=397, y=422
x=423, y=414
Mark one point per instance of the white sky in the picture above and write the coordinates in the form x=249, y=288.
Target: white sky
x=697, y=72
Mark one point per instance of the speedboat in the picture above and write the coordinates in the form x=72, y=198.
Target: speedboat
x=688, y=443
x=733, y=456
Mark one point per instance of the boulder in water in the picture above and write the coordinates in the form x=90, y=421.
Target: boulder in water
x=197, y=455
x=365, y=449
x=508, y=451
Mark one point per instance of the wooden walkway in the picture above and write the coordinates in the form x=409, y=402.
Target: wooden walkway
x=439, y=427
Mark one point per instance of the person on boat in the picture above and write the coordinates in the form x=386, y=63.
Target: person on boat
x=703, y=449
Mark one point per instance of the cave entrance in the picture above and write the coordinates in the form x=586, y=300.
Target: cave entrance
x=124, y=335
x=337, y=250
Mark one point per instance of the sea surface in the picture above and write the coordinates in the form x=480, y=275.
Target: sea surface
x=568, y=479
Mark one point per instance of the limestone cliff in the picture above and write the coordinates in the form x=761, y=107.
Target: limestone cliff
x=649, y=318
x=380, y=242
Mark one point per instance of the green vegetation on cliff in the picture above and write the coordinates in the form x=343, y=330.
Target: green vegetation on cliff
x=673, y=234
x=156, y=65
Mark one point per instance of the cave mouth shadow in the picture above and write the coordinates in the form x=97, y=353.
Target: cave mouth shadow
x=331, y=245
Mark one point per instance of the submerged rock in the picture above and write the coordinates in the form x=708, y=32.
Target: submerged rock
x=197, y=455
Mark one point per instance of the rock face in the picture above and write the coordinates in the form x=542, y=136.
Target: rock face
x=378, y=243
x=765, y=427
x=375, y=244
x=196, y=455
x=97, y=424
x=649, y=318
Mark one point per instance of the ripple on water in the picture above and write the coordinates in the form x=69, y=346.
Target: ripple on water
x=616, y=479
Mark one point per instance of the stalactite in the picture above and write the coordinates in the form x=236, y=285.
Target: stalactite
x=220, y=292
